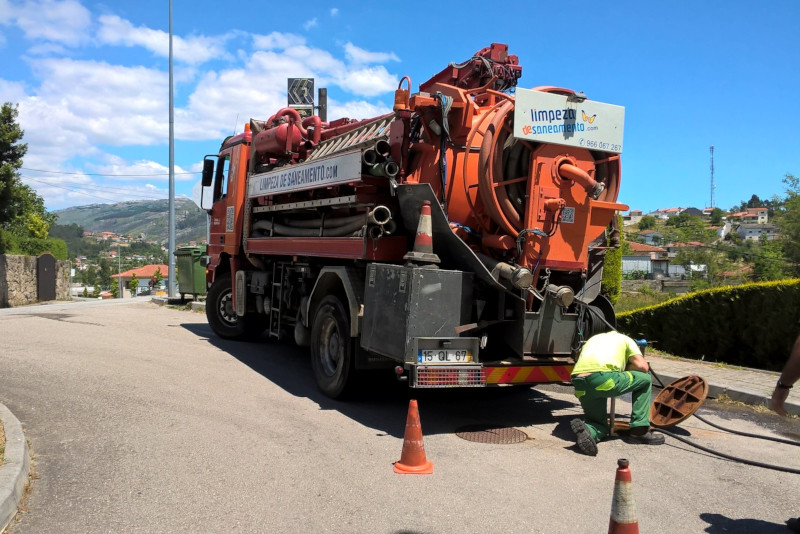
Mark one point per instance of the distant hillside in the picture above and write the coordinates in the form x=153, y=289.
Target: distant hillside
x=149, y=218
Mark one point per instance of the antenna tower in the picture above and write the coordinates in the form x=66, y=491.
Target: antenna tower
x=712, y=176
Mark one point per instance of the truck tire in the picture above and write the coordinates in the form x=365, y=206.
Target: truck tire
x=332, y=348
x=222, y=316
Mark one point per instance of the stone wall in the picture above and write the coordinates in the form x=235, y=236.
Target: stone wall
x=18, y=280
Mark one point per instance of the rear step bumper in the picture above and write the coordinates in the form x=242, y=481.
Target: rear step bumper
x=454, y=376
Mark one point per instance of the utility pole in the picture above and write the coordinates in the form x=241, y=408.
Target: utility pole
x=171, y=241
x=712, y=176
x=322, y=92
x=119, y=271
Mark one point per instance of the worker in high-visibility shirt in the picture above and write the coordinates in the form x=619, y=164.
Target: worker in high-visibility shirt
x=611, y=364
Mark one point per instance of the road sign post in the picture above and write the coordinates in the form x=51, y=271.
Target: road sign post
x=301, y=95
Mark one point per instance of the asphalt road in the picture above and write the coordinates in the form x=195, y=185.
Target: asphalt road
x=141, y=420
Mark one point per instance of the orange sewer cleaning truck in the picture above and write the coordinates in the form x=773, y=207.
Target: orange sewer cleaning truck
x=457, y=241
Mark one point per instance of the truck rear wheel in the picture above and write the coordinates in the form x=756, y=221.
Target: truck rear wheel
x=222, y=316
x=332, y=348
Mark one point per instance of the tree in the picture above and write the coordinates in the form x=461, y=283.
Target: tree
x=690, y=228
x=787, y=220
x=133, y=284
x=90, y=276
x=768, y=263
x=66, y=232
x=115, y=290
x=11, y=153
x=157, y=278
x=22, y=212
x=648, y=222
x=104, y=275
x=713, y=263
x=716, y=217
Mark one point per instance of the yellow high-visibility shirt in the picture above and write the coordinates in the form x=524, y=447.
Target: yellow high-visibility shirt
x=605, y=352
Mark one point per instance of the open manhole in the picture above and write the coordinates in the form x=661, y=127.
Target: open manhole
x=491, y=434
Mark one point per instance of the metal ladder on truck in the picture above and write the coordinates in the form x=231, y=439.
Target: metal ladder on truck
x=276, y=297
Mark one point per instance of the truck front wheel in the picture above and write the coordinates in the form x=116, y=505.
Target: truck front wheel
x=332, y=348
x=222, y=316
x=219, y=309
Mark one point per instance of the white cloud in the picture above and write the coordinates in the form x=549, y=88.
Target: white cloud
x=76, y=113
x=307, y=25
x=193, y=50
x=62, y=21
x=116, y=181
x=370, y=81
x=360, y=56
x=119, y=169
x=277, y=41
x=334, y=11
x=11, y=91
x=5, y=12
x=47, y=49
x=106, y=103
x=356, y=109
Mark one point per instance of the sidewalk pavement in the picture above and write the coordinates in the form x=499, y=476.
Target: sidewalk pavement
x=14, y=468
x=750, y=386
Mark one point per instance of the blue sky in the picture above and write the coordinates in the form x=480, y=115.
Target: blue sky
x=91, y=81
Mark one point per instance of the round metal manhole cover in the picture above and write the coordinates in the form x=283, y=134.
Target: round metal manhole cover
x=678, y=401
x=489, y=434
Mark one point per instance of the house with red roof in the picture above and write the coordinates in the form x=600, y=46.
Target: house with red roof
x=646, y=258
x=144, y=274
x=761, y=215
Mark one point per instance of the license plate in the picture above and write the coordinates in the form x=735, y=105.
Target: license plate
x=444, y=356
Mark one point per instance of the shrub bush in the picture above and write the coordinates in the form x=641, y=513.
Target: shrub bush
x=752, y=325
x=31, y=246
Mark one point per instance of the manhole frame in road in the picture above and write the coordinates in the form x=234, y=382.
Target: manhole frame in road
x=493, y=434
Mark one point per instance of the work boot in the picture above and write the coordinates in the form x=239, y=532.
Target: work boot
x=585, y=442
x=643, y=435
x=793, y=524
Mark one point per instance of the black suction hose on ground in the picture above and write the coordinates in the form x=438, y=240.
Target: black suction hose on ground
x=728, y=456
x=749, y=435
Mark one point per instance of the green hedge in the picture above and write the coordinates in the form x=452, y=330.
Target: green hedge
x=752, y=325
x=31, y=246
x=612, y=270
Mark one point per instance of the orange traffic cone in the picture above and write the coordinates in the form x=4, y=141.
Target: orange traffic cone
x=623, y=508
x=423, y=243
x=412, y=460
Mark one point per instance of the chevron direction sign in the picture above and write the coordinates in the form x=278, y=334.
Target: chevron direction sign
x=301, y=95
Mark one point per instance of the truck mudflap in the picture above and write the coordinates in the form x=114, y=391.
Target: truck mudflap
x=455, y=376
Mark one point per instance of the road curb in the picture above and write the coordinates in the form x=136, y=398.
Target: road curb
x=15, y=469
x=752, y=398
x=195, y=305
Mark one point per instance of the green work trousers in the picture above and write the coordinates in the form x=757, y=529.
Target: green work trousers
x=594, y=389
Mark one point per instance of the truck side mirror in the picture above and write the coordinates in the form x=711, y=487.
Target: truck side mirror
x=208, y=172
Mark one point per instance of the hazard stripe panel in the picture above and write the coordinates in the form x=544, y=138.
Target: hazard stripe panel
x=531, y=374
